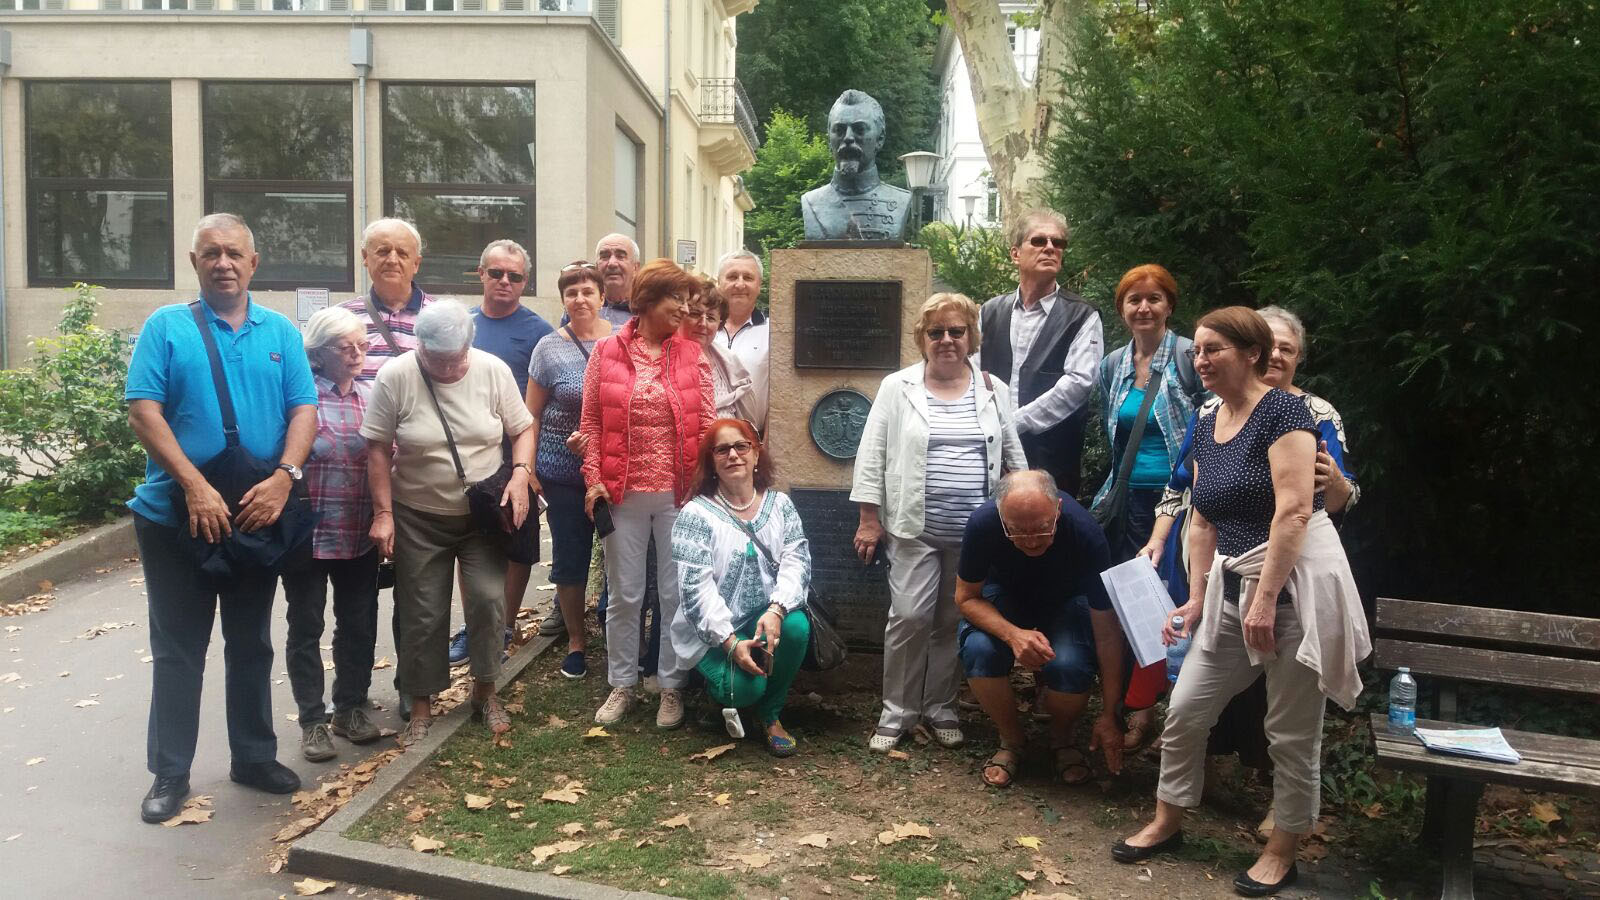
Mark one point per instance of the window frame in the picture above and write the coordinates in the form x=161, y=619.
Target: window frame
x=213, y=185
x=528, y=193
x=35, y=184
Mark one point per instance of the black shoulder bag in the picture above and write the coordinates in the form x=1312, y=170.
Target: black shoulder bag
x=826, y=650
x=232, y=473
x=1112, y=514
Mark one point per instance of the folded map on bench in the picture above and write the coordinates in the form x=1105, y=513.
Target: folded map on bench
x=1478, y=743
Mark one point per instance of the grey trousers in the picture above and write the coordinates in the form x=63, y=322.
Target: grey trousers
x=426, y=549
x=1293, y=724
x=921, y=671
x=639, y=517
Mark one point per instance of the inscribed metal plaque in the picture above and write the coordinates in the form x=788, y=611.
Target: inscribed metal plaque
x=847, y=324
x=860, y=593
x=837, y=421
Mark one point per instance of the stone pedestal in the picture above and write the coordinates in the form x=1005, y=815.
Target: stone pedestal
x=841, y=319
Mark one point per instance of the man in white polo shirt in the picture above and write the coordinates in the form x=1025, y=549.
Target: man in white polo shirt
x=746, y=332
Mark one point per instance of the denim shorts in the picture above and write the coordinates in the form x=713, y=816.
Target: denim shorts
x=571, y=533
x=1065, y=622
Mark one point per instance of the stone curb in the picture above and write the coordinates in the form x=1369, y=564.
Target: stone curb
x=70, y=559
x=327, y=853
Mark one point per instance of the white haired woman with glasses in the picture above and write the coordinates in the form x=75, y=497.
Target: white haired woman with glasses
x=421, y=517
x=938, y=438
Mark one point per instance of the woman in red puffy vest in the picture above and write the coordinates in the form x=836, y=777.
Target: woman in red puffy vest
x=647, y=399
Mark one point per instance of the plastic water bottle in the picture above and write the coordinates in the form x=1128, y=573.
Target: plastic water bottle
x=1176, y=652
x=1403, y=703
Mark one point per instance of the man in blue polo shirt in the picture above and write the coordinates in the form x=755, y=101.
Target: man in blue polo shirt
x=173, y=409
x=1028, y=585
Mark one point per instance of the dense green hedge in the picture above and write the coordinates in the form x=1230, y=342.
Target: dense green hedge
x=1418, y=181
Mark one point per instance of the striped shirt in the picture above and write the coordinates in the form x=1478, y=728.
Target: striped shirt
x=402, y=322
x=336, y=473
x=958, y=466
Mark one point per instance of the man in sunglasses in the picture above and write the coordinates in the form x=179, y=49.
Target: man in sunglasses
x=1029, y=590
x=1046, y=343
x=508, y=330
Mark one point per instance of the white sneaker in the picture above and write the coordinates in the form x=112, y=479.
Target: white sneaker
x=670, y=714
x=615, y=707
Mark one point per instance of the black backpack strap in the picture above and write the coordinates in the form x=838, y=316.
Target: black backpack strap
x=383, y=329
x=230, y=423
x=449, y=439
x=1137, y=433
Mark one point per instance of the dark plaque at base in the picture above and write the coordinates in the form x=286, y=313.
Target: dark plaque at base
x=847, y=325
x=860, y=593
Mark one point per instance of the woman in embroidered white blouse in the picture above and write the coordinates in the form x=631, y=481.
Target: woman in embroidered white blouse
x=744, y=571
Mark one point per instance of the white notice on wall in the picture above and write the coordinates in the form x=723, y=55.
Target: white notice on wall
x=308, y=301
x=1142, y=604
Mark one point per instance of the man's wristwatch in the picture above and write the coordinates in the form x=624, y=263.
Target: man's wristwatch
x=295, y=472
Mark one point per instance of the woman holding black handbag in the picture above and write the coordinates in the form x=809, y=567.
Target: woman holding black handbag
x=1148, y=389
x=433, y=429
x=744, y=570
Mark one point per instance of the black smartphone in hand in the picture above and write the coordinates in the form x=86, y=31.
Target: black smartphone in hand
x=761, y=657
x=603, y=526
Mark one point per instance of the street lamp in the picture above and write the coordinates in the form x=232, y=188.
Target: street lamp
x=919, y=165
x=971, y=202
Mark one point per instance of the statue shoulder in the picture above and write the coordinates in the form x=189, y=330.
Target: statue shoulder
x=889, y=191
x=818, y=194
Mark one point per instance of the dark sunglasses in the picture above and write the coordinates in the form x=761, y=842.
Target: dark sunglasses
x=513, y=277
x=580, y=264
x=1040, y=240
x=956, y=332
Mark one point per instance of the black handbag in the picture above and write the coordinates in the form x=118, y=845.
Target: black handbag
x=826, y=650
x=232, y=473
x=1112, y=513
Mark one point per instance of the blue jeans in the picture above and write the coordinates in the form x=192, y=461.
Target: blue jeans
x=183, y=604
x=1064, y=621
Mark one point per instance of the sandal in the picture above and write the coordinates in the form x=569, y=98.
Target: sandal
x=416, y=732
x=493, y=714
x=1065, y=764
x=1139, y=736
x=883, y=739
x=1010, y=768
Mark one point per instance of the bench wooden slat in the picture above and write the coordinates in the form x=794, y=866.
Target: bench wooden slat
x=1501, y=626
x=1576, y=676
x=1549, y=762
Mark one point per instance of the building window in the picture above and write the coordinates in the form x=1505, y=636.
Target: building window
x=458, y=162
x=9, y=5
x=436, y=6
x=278, y=156
x=626, y=169
x=99, y=164
x=165, y=4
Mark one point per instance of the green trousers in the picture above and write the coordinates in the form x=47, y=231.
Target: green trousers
x=730, y=685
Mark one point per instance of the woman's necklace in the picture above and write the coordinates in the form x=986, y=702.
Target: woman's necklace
x=730, y=504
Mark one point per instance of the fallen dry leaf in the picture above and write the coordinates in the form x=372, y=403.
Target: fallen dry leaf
x=513, y=804
x=295, y=829
x=1545, y=811
x=382, y=663
x=1032, y=895
x=417, y=814
x=275, y=866
x=568, y=794
x=597, y=732
x=817, y=839
x=1027, y=875
x=35, y=761
x=711, y=753
x=312, y=886
x=545, y=851
x=681, y=820
x=863, y=878
x=556, y=722
x=477, y=801
x=1029, y=841
x=1313, y=852
x=192, y=815
x=572, y=828
x=753, y=860
x=424, y=844
x=899, y=754
x=82, y=703
x=720, y=799
x=903, y=831
x=560, y=870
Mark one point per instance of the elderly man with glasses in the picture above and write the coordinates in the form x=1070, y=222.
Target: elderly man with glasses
x=507, y=330
x=1028, y=586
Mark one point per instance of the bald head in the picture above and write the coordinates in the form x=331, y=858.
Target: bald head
x=1029, y=505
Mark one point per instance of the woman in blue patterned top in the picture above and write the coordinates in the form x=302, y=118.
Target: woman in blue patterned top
x=555, y=397
x=745, y=569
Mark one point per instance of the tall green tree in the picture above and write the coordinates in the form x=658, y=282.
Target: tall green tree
x=791, y=161
x=800, y=55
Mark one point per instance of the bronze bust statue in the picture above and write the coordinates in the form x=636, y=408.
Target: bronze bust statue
x=854, y=204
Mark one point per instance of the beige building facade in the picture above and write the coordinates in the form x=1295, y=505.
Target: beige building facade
x=551, y=122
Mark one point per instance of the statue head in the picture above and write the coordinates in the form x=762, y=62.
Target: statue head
x=855, y=132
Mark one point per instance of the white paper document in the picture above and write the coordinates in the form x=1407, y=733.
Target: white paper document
x=1479, y=743
x=1142, y=603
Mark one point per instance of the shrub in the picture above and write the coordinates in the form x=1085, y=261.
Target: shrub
x=65, y=445
x=974, y=261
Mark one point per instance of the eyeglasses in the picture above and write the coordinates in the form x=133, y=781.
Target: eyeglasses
x=703, y=315
x=1197, y=352
x=1039, y=240
x=740, y=447
x=580, y=264
x=956, y=332
x=355, y=349
x=513, y=277
x=1036, y=534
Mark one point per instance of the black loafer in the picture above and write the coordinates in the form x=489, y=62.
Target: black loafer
x=165, y=798
x=1246, y=886
x=1124, y=852
x=271, y=776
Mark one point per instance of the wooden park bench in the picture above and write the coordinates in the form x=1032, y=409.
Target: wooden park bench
x=1443, y=645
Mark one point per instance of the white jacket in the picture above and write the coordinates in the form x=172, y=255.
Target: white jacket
x=892, y=460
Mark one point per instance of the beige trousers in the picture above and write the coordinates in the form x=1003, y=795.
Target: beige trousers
x=921, y=668
x=1208, y=681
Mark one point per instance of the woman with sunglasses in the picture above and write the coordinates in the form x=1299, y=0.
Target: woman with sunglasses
x=744, y=571
x=555, y=398
x=938, y=438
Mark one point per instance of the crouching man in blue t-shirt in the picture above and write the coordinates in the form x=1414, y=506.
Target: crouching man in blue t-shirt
x=1028, y=586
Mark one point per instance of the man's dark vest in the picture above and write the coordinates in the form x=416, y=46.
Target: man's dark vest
x=1059, y=448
